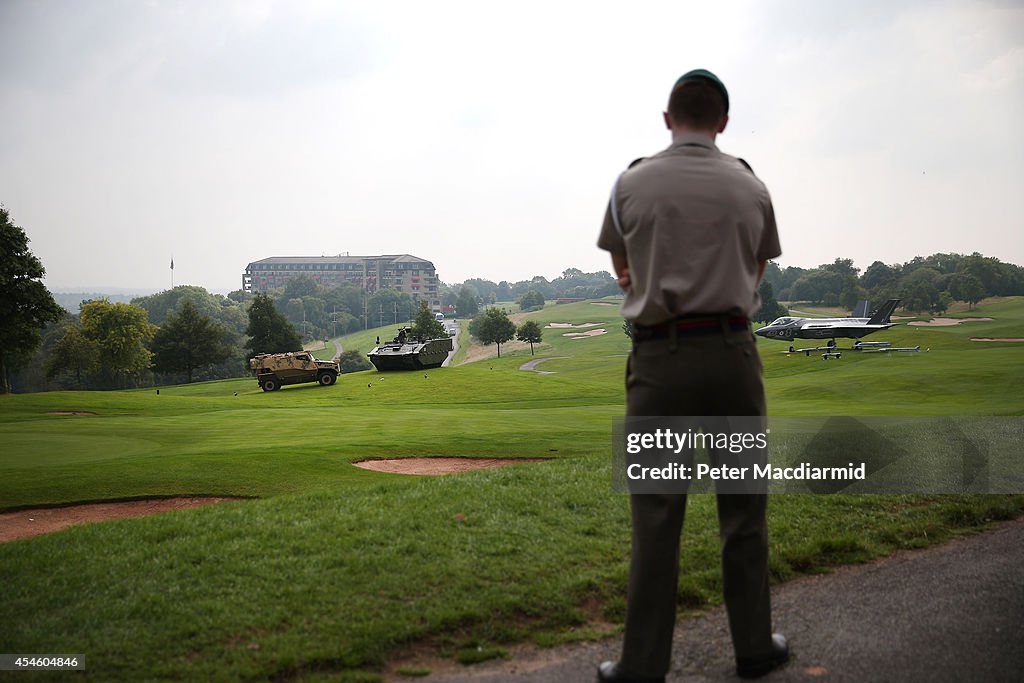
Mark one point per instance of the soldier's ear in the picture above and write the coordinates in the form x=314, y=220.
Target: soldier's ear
x=668, y=119
x=725, y=122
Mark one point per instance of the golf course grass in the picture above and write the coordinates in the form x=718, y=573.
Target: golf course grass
x=329, y=571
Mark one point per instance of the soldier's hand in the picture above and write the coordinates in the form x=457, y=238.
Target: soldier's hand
x=623, y=280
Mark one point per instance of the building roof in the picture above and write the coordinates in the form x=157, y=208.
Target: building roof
x=399, y=258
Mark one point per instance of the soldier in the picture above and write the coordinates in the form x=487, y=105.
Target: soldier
x=690, y=231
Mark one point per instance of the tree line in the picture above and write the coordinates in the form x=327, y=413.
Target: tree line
x=469, y=297
x=197, y=336
x=925, y=285
x=188, y=334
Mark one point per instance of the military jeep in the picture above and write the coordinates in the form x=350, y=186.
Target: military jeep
x=274, y=370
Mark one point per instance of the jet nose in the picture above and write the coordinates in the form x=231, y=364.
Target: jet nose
x=761, y=332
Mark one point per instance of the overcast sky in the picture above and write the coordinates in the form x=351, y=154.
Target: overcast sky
x=485, y=136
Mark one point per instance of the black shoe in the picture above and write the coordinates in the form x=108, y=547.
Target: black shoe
x=755, y=667
x=609, y=672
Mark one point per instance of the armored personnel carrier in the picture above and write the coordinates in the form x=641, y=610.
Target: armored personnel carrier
x=406, y=352
x=274, y=370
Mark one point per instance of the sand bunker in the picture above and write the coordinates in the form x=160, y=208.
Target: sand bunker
x=998, y=339
x=29, y=523
x=569, y=325
x=603, y=303
x=943, y=322
x=588, y=333
x=437, y=466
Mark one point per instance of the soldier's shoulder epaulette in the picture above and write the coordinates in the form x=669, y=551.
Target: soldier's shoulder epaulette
x=746, y=165
x=635, y=162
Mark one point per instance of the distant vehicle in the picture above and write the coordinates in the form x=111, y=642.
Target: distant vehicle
x=274, y=370
x=406, y=352
x=788, y=328
x=439, y=316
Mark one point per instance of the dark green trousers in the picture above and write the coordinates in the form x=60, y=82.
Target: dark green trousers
x=707, y=374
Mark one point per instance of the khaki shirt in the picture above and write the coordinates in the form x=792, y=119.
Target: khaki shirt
x=695, y=224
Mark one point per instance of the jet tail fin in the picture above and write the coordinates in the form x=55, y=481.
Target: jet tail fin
x=880, y=315
x=861, y=310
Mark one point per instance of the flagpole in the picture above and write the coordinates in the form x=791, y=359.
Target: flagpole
x=172, y=271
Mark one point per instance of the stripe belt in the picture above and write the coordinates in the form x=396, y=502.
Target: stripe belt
x=691, y=325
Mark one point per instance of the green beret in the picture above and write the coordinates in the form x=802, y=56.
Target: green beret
x=705, y=75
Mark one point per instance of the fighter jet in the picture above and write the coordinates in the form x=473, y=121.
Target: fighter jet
x=790, y=328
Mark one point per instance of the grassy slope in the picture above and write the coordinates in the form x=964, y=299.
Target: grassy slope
x=336, y=567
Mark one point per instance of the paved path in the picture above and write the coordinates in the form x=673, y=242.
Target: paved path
x=951, y=613
x=455, y=342
x=337, y=349
x=531, y=365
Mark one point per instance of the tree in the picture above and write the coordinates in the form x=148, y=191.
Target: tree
x=496, y=328
x=770, y=307
x=530, y=332
x=387, y=306
x=485, y=289
x=295, y=313
x=26, y=305
x=921, y=290
x=532, y=300
x=345, y=297
x=843, y=267
x=188, y=340
x=120, y=332
x=782, y=280
x=426, y=326
x=74, y=354
x=476, y=324
x=466, y=305
x=225, y=311
x=820, y=285
x=239, y=296
x=161, y=305
x=967, y=287
x=353, y=361
x=268, y=330
x=944, y=302
x=574, y=283
x=851, y=294
x=299, y=286
x=879, y=275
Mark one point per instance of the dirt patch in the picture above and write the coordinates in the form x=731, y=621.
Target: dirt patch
x=588, y=333
x=570, y=325
x=28, y=523
x=998, y=339
x=437, y=466
x=943, y=322
x=477, y=351
x=603, y=303
x=70, y=412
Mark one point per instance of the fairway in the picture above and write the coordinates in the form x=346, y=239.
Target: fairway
x=329, y=571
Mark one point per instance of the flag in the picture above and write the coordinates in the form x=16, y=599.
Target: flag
x=172, y=263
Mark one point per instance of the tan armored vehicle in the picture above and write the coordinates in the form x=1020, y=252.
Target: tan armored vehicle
x=274, y=370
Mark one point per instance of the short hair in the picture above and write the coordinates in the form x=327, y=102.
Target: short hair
x=696, y=103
